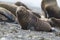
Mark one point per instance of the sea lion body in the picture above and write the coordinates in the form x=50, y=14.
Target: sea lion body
x=27, y=20
x=11, y=7
x=46, y=3
x=4, y=13
x=56, y=21
x=36, y=14
x=53, y=11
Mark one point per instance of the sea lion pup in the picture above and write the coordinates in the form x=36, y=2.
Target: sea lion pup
x=27, y=20
x=46, y=3
x=7, y=14
x=56, y=21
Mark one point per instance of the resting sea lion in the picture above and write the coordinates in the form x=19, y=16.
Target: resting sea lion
x=27, y=20
x=4, y=13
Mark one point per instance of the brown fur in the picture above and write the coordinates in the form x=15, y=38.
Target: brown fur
x=53, y=11
x=11, y=7
x=27, y=20
x=6, y=15
x=22, y=4
x=46, y=3
x=36, y=14
x=56, y=21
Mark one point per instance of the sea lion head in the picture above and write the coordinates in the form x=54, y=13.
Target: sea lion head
x=18, y=3
x=21, y=12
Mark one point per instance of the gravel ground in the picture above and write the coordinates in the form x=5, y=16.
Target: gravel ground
x=10, y=31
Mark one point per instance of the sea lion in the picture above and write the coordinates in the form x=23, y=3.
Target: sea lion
x=46, y=3
x=56, y=21
x=27, y=20
x=6, y=15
